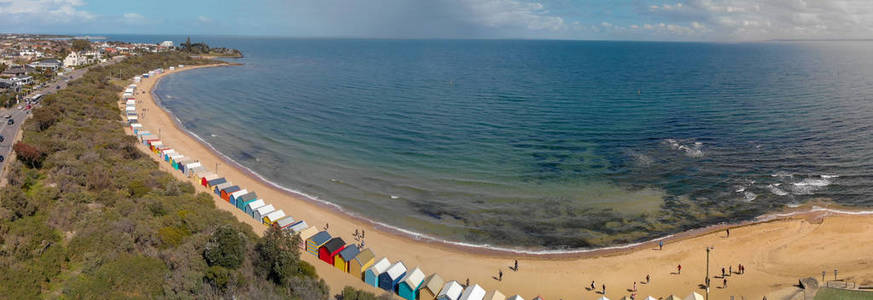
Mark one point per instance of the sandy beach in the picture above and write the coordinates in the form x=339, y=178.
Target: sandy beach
x=775, y=253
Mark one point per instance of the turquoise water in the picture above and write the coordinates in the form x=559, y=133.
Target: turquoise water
x=554, y=144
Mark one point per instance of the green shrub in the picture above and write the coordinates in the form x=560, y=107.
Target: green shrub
x=226, y=248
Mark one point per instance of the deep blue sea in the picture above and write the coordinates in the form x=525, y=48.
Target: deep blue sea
x=555, y=144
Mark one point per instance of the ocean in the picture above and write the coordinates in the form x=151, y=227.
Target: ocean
x=541, y=144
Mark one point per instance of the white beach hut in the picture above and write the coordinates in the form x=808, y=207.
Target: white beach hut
x=273, y=216
x=298, y=227
x=284, y=222
x=694, y=296
x=130, y=102
x=451, y=291
x=254, y=205
x=515, y=297
x=474, y=292
x=262, y=212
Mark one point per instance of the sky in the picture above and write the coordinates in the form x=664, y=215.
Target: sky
x=668, y=20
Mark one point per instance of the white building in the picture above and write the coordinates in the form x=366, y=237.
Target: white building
x=74, y=59
x=166, y=44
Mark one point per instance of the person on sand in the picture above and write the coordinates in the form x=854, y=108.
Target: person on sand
x=592, y=285
x=722, y=271
x=647, y=278
x=635, y=286
x=728, y=231
x=730, y=270
x=500, y=275
x=516, y=265
x=679, y=269
x=604, y=289
x=468, y=282
x=661, y=245
x=724, y=284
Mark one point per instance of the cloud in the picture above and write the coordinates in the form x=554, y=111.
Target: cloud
x=511, y=13
x=134, y=19
x=43, y=11
x=204, y=19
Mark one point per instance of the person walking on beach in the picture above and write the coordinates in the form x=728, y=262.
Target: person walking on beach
x=500, y=275
x=516, y=265
x=728, y=231
x=661, y=245
x=604, y=289
x=468, y=282
x=647, y=278
x=592, y=285
x=635, y=286
x=730, y=270
x=722, y=271
x=679, y=269
x=724, y=284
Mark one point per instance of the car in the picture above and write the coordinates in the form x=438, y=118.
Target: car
x=2, y=138
x=10, y=122
x=1, y=158
x=57, y=87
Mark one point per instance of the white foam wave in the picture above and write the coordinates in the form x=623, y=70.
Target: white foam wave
x=808, y=186
x=782, y=174
x=694, y=150
x=749, y=196
x=830, y=176
x=774, y=188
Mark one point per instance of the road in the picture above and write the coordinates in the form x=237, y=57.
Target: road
x=19, y=115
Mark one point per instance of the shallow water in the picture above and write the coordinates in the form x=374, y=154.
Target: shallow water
x=542, y=143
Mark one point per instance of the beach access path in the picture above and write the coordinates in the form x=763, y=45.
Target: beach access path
x=775, y=253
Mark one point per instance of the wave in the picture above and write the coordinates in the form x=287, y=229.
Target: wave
x=694, y=150
x=749, y=196
x=774, y=188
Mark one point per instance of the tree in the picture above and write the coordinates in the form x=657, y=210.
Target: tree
x=225, y=248
x=277, y=256
x=188, y=44
x=29, y=154
x=81, y=45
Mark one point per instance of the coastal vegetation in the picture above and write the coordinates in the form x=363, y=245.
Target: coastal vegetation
x=203, y=49
x=85, y=214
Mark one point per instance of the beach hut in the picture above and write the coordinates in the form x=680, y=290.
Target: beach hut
x=263, y=211
x=305, y=235
x=245, y=198
x=197, y=171
x=137, y=79
x=232, y=197
x=220, y=186
x=283, y=222
x=225, y=193
x=253, y=205
x=409, y=285
x=673, y=297
x=189, y=168
x=430, y=287
x=474, y=292
x=694, y=296
x=245, y=205
x=451, y=291
x=390, y=278
x=361, y=263
x=172, y=68
x=495, y=295
x=273, y=216
x=215, y=181
x=298, y=227
x=647, y=298
x=316, y=241
x=515, y=297
x=204, y=180
x=344, y=258
x=329, y=250
x=371, y=275
x=183, y=164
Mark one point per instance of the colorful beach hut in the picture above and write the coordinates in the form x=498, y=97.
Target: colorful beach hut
x=215, y=181
x=245, y=198
x=361, y=263
x=515, y=297
x=328, y=252
x=673, y=297
x=232, y=197
x=263, y=211
x=474, y=292
x=297, y=227
x=409, y=285
x=430, y=288
x=390, y=278
x=205, y=178
x=344, y=258
x=284, y=222
x=495, y=295
x=273, y=217
x=316, y=241
x=225, y=193
x=254, y=205
x=305, y=235
x=221, y=186
x=371, y=275
x=451, y=291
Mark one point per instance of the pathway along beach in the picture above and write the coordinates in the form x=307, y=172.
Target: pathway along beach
x=775, y=253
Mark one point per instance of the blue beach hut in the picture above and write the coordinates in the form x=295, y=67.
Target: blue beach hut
x=316, y=241
x=219, y=187
x=371, y=276
x=216, y=181
x=409, y=285
x=389, y=279
x=244, y=199
x=253, y=205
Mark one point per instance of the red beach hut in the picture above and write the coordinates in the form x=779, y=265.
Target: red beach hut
x=331, y=249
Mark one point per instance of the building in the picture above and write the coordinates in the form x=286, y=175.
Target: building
x=371, y=276
x=23, y=80
x=167, y=44
x=495, y=295
x=474, y=292
x=345, y=257
x=17, y=71
x=389, y=279
x=328, y=252
x=305, y=235
x=451, y=291
x=361, y=263
x=316, y=241
x=431, y=287
x=74, y=59
x=409, y=285
x=52, y=64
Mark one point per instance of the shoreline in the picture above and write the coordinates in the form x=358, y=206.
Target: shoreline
x=389, y=237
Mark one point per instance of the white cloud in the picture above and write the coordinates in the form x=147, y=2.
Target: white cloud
x=46, y=11
x=204, y=19
x=511, y=13
x=134, y=19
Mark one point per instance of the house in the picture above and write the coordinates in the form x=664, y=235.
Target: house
x=298, y=227
x=305, y=235
x=215, y=181
x=474, y=292
x=17, y=71
x=390, y=278
x=361, y=263
x=218, y=187
x=451, y=291
x=225, y=193
x=283, y=222
x=52, y=64
x=168, y=44
x=344, y=258
x=242, y=200
x=252, y=206
x=273, y=216
x=316, y=241
x=515, y=297
x=328, y=252
x=204, y=180
x=263, y=211
x=23, y=80
x=236, y=194
x=409, y=285
x=371, y=275
x=431, y=287
x=74, y=59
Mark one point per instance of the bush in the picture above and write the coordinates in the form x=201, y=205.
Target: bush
x=226, y=248
x=29, y=154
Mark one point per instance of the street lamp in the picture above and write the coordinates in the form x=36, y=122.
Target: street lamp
x=706, y=280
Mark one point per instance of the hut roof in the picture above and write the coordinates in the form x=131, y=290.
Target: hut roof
x=413, y=279
x=230, y=189
x=320, y=238
x=694, y=296
x=275, y=215
x=380, y=266
x=223, y=185
x=452, y=290
x=433, y=283
x=215, y=181
x=495, y=295
x=363, y=257
x=474, y=292
x=673, y=297
x=210, y=176
x=349, y=252
x=308, y=233
x=265, y=210
x=515, y=297
x=288, y=220
x=299, y=226
x=239, y=193
x=248, y=196
x=334, y=244
x=396, y=270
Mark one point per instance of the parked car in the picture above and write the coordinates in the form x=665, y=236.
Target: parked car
x=10, y=122
x=2, y=138
x=1, y=158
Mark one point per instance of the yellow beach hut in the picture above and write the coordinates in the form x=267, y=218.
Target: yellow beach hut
x=361, y=263
x=344, y=258
x=305, y=235
x=495, y=295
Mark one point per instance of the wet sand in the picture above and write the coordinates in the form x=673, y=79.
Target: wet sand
x=776, y=253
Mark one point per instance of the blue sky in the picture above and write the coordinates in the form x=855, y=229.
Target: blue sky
x=706, y=20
